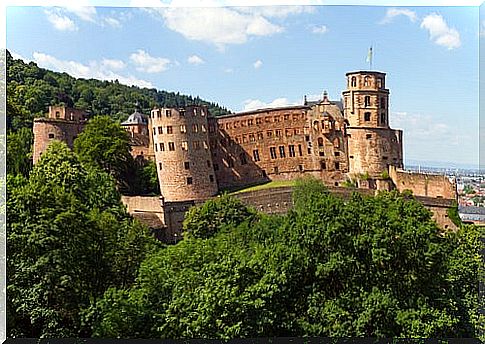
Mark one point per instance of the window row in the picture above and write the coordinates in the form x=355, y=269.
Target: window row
x=184, y=145
x=158, y=113
x=367, y=117
x=183, y=129
x=367, y=82
x=253, y=137
x=260, y=120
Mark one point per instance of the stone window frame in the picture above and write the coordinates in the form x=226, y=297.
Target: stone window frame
x=169, y=129
x=184, y=145
x=256, y=155
x=291, y=151
x=272, y=152
x=367, y=116
x=160, y=167
x=196, y=145
x=282, y=151
x=171, y=146
x=190, y=180
x=168, y=113
x=353, y=81
x=337, y=165
x=162, y=146
x=51, y=136
x=160, y=130
x=186, y=165
x=366, y=101
x=367, y=80
x=183, y=128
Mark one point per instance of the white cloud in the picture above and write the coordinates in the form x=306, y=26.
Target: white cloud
x=94, y=69
x=257, y=64
x=196, y=60
x=144, y=62
x=439, y=32
x=276, y=11
x=60, y=21
x=319, y=29
x=113, y=64
x=228, y=70
x=19, y=57
x=86, y=13
x=395, y=12
x=217, y=25
x=254, y=104
x=112, y=22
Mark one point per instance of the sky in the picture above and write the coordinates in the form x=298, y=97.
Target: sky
x=259, y=56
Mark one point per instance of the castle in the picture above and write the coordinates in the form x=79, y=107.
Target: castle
x=198, y=155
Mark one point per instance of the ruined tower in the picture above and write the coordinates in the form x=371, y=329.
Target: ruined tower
x=61, y=123
x=372, y=144
x=182, y=153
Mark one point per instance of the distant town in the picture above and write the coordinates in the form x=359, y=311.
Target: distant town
x=470, y=187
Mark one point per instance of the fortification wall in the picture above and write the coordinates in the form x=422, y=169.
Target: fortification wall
x=47, y=130
x=421, y=184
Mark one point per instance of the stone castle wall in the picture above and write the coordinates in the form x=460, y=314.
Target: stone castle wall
x=47, y=130
x=429, y=185
x=182, y=153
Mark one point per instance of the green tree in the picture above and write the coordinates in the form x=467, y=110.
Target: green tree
x=105, y=144
x=69, y=240
x=19, y=152
x=206, y=220
x=366, y=266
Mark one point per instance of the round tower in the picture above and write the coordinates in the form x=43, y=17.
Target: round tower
x=372, y=144
x=182, y=153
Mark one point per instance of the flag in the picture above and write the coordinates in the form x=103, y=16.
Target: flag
x=369, y=55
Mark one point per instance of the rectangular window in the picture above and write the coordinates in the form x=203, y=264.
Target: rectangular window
x=337, y=166
x=244, y=139
x=275, y=169
x=272, y=152
x=169, y=129
x=162, y=147
x=368, y=136
x=159, y=114
x=160, y=130
x=323, y=166
x=300, y=151
x=309, y=150
x=250, y=122
x=203, y=128
x=256, y=155
x=206, y=146
x=300, y=168
x=267, y=119
x=183, y=128
x=195, y=128
x=156, y=147
x=252, y=138
x=159, y=165
x=187, y=165
x=307, y=138
x=154, y=131
x=168, y=113
x=282, y=151
x=51, y=136
x=189, y=180
x=171, y=146
x=211, y=178
x=278, y=133
x=367, y=116
x=337, y=153
x=277, y=118
x=269, y=133
x=258, y=121
x=260, y=135
x=288, y=132
x=184, y=145
x=182, y=113
x=286, y=117
x=291, y=151
x=196, y=144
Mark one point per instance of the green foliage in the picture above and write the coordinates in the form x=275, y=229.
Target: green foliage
x=208, y=219
x=145, y=179
x=385, y=174
x=30, y=91
x=104, y=144
x=454, y=216
x=69, y=240
x=368, y=266
x=19, y=152
x=468, y=189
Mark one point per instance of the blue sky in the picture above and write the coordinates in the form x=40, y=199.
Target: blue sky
x=245, y=58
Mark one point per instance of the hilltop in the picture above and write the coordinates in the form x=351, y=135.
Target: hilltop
x=31, y=89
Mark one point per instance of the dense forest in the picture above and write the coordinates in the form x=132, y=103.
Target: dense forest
x=30, y=91
x=79, y=265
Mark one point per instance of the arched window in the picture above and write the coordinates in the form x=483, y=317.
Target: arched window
x=367, y=101
x=354, y=81
x=367, y=81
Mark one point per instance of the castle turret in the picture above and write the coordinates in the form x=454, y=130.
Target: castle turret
x=61, y=123
x=182, y=153
x=372, y=144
